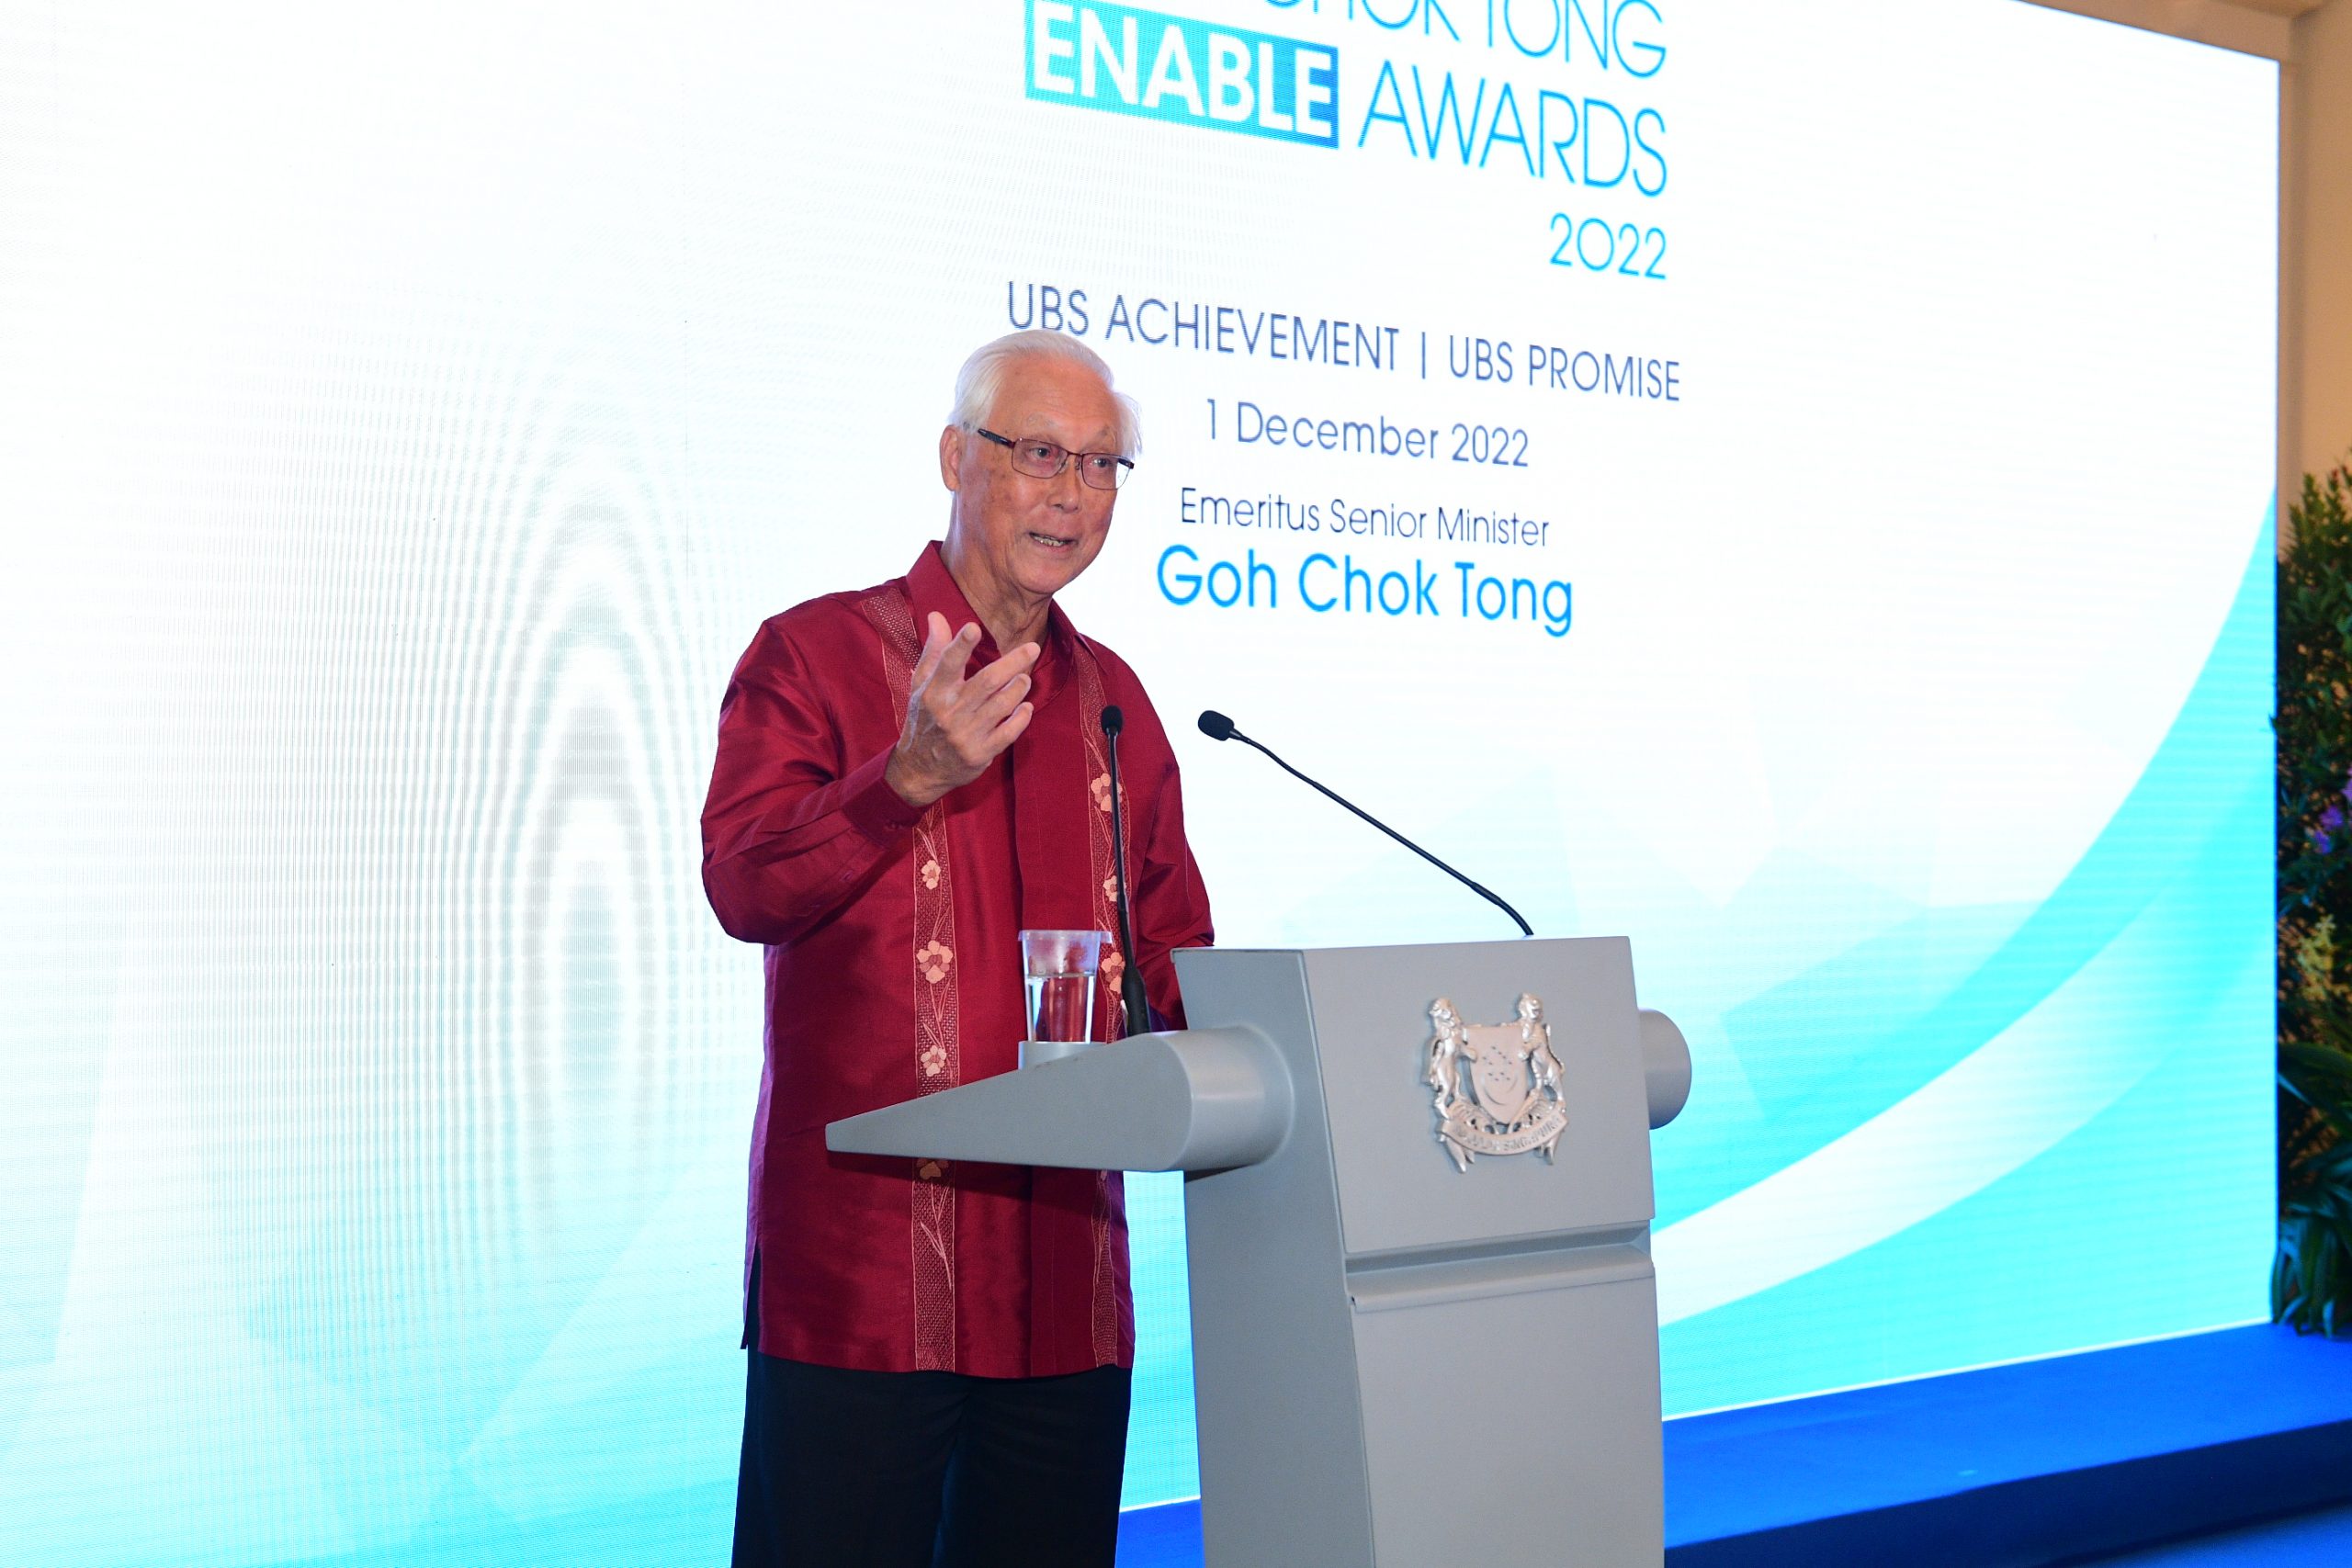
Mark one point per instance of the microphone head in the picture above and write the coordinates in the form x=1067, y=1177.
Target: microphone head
x=1215, y=726
x=1113, y=719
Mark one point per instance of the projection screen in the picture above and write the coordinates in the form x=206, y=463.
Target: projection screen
x=1788, y=484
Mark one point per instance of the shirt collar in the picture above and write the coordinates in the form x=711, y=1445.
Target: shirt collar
x=932, y=587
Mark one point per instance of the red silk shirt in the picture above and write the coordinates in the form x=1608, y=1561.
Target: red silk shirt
x=894, y=970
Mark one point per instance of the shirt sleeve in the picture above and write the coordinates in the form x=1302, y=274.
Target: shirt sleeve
x=1172, y=907
x=786, y=833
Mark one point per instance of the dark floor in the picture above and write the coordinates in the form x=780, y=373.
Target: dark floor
x=2309, y=1540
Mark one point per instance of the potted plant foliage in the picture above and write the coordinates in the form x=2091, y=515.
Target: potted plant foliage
x=2310, y=1281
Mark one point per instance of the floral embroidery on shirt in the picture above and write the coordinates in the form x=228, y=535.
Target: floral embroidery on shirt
x=1111, y=890
x=1114, y=966
x=934, y=1059
x=1102, y=787
x=931, y=875
x=933, y=960
x=932, y=1169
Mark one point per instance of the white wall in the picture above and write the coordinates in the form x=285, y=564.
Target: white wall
x=2315, y=263
x=2311, y=39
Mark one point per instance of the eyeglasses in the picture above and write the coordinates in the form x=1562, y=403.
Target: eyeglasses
x=1043, y=459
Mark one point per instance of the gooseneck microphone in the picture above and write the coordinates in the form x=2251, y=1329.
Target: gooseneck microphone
x=1217, y=726
x=1131, y=995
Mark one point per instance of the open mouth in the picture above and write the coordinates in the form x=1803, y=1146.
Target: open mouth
x=1053, y=541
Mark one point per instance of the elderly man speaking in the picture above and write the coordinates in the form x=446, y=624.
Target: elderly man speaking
x=907, y=777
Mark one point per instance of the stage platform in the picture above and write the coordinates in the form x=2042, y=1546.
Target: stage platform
x=2043, y=1462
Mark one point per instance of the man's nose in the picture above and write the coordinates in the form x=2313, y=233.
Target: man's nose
x=1069, y=492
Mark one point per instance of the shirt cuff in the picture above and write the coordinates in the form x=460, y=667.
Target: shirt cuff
x=874, y=806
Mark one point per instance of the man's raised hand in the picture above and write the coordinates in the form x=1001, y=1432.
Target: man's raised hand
x=956, y=727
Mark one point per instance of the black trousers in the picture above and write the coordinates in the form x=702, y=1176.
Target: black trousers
x=929, y=1470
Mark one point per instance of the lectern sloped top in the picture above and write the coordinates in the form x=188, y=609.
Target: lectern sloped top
x=1191, y=1100
x=1209, y=1097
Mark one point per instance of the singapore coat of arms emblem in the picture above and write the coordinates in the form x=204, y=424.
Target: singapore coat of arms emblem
x=1497, y=1085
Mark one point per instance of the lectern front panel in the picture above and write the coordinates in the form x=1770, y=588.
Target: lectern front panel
x=1418, y=1342
x=1516, y=1430
x=1402, y=1188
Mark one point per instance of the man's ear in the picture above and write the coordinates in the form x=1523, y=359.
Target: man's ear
x=951, y=456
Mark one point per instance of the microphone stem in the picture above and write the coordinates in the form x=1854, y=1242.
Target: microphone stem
x=1131, y=991
x=1487, y=894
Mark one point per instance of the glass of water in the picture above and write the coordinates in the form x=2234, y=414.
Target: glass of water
x=1060, y=967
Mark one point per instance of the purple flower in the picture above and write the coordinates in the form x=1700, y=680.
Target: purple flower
x=2323, y=844
x=2332, y=818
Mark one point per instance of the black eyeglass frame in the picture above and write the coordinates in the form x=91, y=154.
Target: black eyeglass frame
x=1119, y=475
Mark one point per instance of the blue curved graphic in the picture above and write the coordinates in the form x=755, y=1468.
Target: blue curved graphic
x=2144, y=980
x=1836, y=1045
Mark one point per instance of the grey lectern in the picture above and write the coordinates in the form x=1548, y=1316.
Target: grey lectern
x=1417, y=1207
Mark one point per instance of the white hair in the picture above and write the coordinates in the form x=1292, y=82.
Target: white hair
x=982, y=378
